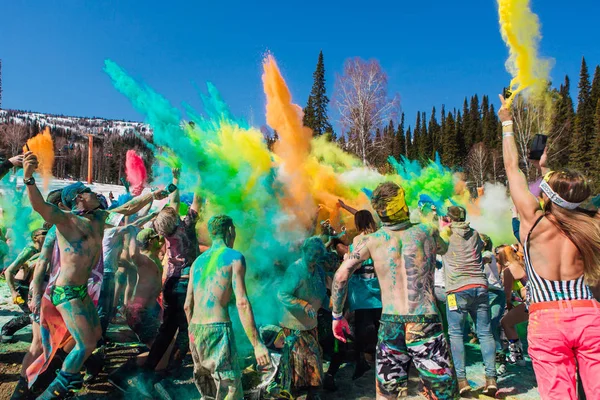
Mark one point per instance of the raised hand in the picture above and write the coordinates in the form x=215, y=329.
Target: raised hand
x=504, y=112
x=30, y=164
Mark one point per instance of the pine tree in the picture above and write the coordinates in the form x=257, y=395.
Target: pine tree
x=465, y=126
x=584, y=124
x=400, y=147
x=434, y=135
x=562, y=126
x=416, y=140
x=425, y=146
x=491, y=137
x=461, y=141
x=315, y=113
x=595, y=91
x=475, y=132
x=410, y=145
x=449, y=142
x=442, y=130
x=596, y=158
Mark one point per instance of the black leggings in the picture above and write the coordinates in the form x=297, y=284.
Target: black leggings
x=174, y=293
x=367, y=325
x=20, y=321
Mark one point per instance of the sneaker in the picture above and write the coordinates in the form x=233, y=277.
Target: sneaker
x=7, y=339
x=94, y=365
x=21, y=391
x=329, y=383
x=64, y=386
x=515, y=354
x=500, y=363
x=464, y=387
x=491, y=387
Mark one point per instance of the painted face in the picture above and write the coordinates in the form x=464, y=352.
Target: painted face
x=88, y=200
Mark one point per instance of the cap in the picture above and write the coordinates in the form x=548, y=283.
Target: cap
x=146, y=235
x=70, y=192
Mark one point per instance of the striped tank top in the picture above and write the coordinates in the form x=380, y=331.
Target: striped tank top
x=540, y=289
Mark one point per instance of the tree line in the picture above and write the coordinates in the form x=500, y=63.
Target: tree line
x=466, y=139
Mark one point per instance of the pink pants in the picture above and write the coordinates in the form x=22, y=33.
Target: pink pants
x=560, y=333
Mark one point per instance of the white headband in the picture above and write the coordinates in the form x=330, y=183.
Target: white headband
x=555, y=198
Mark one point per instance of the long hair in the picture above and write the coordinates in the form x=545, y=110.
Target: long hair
x=581, y=226
x=364, y=222
x=506, y=255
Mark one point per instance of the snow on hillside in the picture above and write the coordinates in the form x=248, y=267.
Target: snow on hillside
x=97, y=126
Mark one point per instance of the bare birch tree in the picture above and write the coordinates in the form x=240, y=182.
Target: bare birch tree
x=13, y=137
x=361, y=96
x=478, y=162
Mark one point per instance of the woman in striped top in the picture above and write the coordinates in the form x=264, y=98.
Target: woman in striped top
x=561, y=241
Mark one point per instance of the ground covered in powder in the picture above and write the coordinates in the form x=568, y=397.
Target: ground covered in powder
x=518, y=383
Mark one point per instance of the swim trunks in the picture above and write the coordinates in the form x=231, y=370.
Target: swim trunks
x=420, y=339
x=63, y=294
x=217, y=373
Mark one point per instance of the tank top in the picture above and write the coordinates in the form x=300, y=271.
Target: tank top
x=540, y=289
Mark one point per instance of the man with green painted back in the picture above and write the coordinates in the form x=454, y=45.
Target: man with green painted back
x=215, y=276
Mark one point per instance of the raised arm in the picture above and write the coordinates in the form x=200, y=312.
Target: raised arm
x=196, y=203
x=16, y=161
x=174, y=198
x=525, y=202
x=347, y=207
x=136, y=204
x=49, y=212
x=140, y=222
x=245, y=311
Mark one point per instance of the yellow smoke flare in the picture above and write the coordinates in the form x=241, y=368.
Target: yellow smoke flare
x=520, y=29
x=42, y=146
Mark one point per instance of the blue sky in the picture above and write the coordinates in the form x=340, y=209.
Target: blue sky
x=434, y=52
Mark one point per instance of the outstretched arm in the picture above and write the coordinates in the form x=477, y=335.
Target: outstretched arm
x=136, y=204
x=16, y=161
x=245, y=311
x=525, y=202
x=347, y=207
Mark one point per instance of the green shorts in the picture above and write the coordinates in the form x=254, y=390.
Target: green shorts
x=63, y=294
x=216, y=369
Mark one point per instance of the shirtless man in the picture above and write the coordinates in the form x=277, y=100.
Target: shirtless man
x=411, y=330
x=143, y=311
x=215, y=276
x=18, y=275
x=79, y=236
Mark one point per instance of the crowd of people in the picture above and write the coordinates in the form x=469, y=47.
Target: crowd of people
x=397, y=293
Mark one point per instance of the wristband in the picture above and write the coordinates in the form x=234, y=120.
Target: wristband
x=29, y=182
x=507, y=123
x=336, y=316
x=508, y=134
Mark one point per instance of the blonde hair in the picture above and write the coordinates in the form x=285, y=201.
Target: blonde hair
x=166, y=221
x=581, y=226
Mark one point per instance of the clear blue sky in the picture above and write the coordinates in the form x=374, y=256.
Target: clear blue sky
x=433, y=51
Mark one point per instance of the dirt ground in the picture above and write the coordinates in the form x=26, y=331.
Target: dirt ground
x=517, y=383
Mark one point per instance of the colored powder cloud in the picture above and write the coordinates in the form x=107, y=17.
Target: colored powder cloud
x=42, y=146
x=136, y=173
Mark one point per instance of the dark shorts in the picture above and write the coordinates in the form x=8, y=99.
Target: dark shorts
x=63, y=294
x=144, y=321
x=420, y=339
